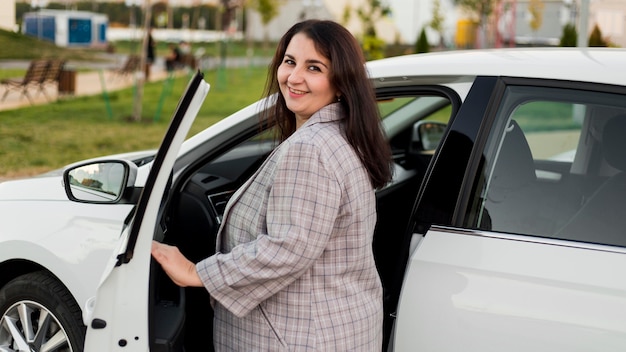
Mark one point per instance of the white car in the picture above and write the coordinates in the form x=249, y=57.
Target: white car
x=504, y=228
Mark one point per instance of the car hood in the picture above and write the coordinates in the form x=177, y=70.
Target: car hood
x=49, y=186
x=44, y=187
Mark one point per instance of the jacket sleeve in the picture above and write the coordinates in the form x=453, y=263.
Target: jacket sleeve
x=302, y=208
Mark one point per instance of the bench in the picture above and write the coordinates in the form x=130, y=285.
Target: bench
x=39, y=74
x=35, y=77
x=53, y=74
x=130, y=66
x=188, y=61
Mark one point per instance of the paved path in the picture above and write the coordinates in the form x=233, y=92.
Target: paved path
x=93, y=77
x=88, y=81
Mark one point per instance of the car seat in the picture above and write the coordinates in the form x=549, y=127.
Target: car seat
x=511, y=201
x=602, y=219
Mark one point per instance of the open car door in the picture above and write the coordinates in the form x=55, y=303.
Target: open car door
x=118, y=317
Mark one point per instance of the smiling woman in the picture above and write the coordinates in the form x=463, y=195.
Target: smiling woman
x=508, y=182
x=304, y=79
x=303, y=224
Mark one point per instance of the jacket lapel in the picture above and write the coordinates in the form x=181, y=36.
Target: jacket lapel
x=329, y=113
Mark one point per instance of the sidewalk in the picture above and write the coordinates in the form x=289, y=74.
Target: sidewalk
x=89, y=77
x=91, y=82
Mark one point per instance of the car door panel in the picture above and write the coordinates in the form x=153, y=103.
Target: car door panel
x=500, y=272
x=486, y=289
x=123, y=294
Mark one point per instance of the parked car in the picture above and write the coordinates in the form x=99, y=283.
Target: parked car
x=504, y=228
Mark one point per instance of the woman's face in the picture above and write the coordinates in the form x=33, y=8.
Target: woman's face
x=303, y=77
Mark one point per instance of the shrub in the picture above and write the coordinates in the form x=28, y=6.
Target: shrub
x=422, y=46
x=569, y=37
x=595, y=38
x=373, y=47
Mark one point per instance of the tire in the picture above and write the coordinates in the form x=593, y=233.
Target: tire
x=39, y=314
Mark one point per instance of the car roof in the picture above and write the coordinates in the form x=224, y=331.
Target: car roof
x=601, y=65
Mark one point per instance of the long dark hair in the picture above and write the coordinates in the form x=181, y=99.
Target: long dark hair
x=348, y=75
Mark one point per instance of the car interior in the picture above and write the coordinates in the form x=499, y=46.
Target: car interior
x=559, y=182
x=602, y=212
x=181, y=319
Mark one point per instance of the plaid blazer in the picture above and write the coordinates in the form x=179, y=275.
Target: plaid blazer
x=294, y=269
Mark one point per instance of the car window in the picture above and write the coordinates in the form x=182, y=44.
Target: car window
x=553, y=166
x=401, y=117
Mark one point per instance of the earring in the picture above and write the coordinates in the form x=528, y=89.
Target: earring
x=338, y=98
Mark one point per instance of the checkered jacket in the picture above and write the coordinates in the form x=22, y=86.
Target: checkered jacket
x=294, y=269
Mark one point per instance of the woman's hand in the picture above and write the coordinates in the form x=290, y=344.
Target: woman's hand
x=180, y=269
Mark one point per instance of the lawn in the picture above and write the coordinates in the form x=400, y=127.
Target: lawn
x=41, y=138
x=37, y=139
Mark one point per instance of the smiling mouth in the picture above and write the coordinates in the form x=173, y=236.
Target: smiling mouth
x=295, y=91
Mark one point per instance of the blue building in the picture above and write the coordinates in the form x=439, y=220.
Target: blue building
x=67, y=28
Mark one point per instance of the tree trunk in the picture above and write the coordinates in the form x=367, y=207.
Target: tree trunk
x=140, y=76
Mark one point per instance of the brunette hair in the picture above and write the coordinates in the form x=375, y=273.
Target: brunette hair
x=348, y=75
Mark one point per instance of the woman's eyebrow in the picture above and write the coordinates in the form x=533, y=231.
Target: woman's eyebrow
x=310, y=61
x=316, y=62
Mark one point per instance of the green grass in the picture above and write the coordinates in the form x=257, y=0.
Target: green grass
x=211, y=49
x=45, y=137
x=546, y=116
x=12, y=73
x=41, y=138
x=18, y=46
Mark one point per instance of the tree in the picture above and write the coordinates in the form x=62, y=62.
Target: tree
x=569, y=38
x=138, y=101
x=162, y=15
x=481, y=9
x=268, y=9
x=595, y=38
x=437, y=21
x=373, y=47
x=346, y=15
x=229, y=7
x=422, y=46
x=371, y=14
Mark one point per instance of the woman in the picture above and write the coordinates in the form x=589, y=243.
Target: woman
x=294, y=270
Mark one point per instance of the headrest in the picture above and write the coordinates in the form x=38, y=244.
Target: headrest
x=515, y=166
x=614, y=142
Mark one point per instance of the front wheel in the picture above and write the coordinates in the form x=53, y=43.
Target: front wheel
x=39, y=314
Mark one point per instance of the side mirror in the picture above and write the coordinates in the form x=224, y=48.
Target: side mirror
x=99, y=182
x=427, y=135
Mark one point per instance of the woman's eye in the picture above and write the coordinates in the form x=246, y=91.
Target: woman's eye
x=289, y=62
x=314, y=68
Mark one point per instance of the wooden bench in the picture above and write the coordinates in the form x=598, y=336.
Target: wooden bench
x=53, y=74
x=35, y=77
x=188, y=61
x=130, y=66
